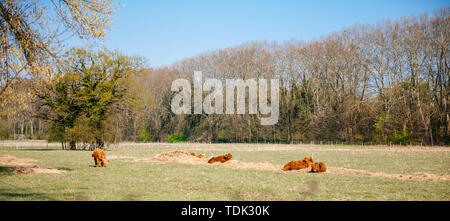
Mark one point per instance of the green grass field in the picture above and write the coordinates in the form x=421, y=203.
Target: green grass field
x=126, y=179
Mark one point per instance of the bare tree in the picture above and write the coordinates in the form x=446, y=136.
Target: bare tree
x=32, y=33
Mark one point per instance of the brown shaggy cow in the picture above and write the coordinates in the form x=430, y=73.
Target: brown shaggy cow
x=99, y=157
x=318, y=168
x=300, y=164
x=222, y=159
x=201, y=156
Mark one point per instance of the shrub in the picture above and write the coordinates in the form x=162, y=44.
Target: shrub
x=173, y=138
x=145, y=135
x=402, y=137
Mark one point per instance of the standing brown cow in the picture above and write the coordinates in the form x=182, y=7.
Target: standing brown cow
x=99, y=157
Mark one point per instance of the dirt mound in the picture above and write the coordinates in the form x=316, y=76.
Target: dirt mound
x=14, y=161
x=176, y=156
x=183, y=157
x=25, y=165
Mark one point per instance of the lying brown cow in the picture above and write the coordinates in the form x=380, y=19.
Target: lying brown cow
x=222, y=159
x=201, y=156
x=99, y=157
x=300, y=164
x=318, y=168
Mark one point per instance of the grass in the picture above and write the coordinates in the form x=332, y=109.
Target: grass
x=128, y=180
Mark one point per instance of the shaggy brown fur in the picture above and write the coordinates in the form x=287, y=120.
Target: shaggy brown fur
x=99, y=157
x=318, y=168
x=300, y=164
x=222, y=159
x=201, y=156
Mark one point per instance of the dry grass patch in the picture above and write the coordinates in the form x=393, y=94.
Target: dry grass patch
x=416, y=176
x=116, y=157
x=9, y=160
x=24, y=165
x=182, y=157
x=36, y=169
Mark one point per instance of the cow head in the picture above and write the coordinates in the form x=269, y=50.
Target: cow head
x=228, y=156
x=104, y=162
x=308, y=160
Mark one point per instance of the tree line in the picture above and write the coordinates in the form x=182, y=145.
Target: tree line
x=382, y=83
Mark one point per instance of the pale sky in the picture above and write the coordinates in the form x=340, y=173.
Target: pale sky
x=167, y=31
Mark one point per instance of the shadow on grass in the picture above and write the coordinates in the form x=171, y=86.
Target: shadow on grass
x=98, y=166
x=64, y=168
x=6, y=170
x=22, y=194
x=14, y=193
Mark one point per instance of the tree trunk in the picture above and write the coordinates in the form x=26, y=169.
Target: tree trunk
x=31, y=128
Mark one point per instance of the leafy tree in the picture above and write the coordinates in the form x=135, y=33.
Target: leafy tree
x=84, y=93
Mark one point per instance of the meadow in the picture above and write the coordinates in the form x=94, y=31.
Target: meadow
x=254, y=173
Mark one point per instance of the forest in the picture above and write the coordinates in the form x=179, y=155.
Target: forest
x=383, y=83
